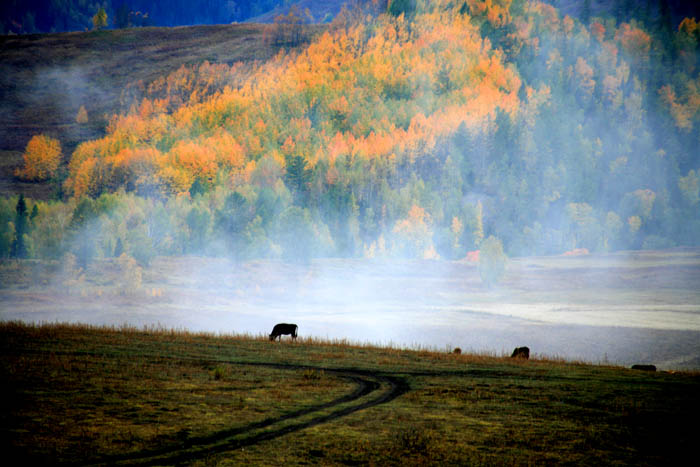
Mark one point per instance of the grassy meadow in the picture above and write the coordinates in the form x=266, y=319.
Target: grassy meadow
x=346, y=177
x=176, y=367
x=121, y=395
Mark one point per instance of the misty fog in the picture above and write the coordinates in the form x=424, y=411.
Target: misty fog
x=566, y=145
x=616, y=309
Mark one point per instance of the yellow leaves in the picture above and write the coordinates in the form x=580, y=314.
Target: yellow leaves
x=685, y=107
x=536, y=99
x=479, y=228
x=288, y=146
x=597, y=31
x=332, y=175
x=612, y=94
x=369, y=89
x=584, y=77
x=42, y=157
x=82, y=116
x=689, y=26
x=178, y=180
x=338, y=146
x=646, y=198
x=413, y=235
x=140, y=160
x=456, y=227
x=568, y=25
x=496, y=11
x=416, y=220
x=83, y=180
x=228, y=152
x=634, y=223
x=618, y=164
x=548, y=14
x=633, y=40
x=690, y=187
x=194, y=159
x=145, y=109
x=260, y=128
x=555, y=60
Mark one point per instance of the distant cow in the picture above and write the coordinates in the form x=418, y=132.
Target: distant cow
x=283, y=328
x=521, y=352
x=644, y=367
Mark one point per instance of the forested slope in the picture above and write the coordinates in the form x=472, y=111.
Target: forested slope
x=412, y=133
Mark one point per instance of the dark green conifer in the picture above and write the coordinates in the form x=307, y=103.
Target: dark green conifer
x=19, y=249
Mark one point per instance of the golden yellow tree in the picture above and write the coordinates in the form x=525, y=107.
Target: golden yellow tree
x=99, y=21
x=413, y=234
x=41, y=158
x=82, y=116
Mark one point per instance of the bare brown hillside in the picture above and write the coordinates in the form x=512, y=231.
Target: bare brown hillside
x=46, y=78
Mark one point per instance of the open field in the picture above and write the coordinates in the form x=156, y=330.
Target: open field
x=87, y=395
x=623, y=308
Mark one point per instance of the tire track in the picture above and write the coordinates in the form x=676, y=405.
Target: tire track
x=366, y=383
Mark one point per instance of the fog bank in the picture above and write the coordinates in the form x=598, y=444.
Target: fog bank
x=622, y=309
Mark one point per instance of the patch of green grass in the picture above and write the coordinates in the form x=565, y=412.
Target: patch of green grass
x=81, y=393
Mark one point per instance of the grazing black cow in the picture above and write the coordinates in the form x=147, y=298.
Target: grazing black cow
x=521, y=352
x=284, y=328
x=644, y=367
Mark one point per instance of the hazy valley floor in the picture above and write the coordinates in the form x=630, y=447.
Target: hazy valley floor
x=625, y=308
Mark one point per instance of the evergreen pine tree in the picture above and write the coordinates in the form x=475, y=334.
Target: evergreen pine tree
x=586, y=12
x=298, y=177
x=119, y=248
x=19, y=249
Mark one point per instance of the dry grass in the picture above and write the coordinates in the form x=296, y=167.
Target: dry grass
x=85, y=392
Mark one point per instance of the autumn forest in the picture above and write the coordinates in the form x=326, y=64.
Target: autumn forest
x=419, y=130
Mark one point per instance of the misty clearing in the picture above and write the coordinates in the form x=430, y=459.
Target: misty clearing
x=481, y=175
x=621, y=308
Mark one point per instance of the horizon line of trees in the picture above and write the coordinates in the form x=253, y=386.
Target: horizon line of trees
x=49, y=16
x=46, y=16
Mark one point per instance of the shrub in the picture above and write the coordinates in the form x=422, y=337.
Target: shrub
x=130, y=278
x=492, y=261
x=82, y=116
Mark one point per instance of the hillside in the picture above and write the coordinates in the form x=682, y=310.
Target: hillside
x=84, y=395
x=416, y=133
x=45, y=79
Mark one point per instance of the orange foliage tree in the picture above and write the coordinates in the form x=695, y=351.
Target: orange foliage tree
x=41, y=158
x=300, y=104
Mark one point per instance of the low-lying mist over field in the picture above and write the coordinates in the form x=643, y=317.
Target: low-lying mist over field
x=367, y=179
x=622, y=308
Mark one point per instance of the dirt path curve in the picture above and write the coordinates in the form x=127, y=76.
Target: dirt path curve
x=381, y=387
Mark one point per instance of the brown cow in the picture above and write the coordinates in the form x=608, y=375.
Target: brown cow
x=284, y=328
x=521, y=352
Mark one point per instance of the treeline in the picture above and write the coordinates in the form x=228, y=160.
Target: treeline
x=408, y=135
x=41, y=16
